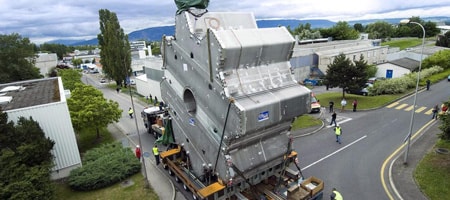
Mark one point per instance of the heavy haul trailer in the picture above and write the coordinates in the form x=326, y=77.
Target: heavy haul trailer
x=231, y=98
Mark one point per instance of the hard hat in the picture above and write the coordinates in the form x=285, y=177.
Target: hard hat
x=137, y=146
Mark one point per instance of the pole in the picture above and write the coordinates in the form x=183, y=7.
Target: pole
x=408, y=142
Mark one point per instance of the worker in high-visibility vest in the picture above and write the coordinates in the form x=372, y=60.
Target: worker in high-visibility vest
x=156, y=153
x=338, y=132
x=130, y=112
x=336, y=195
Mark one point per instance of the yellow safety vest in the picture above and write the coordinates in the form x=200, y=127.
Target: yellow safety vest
x=338, y=130
x=338, y=195
x=155, y=151
x=130, y=111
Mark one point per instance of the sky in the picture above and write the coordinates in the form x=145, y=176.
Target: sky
x=45, y=20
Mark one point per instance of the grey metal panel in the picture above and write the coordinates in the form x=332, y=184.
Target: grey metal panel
x=58, y=127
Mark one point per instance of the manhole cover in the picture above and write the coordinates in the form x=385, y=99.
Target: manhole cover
x=442, y=151
x=127, y=183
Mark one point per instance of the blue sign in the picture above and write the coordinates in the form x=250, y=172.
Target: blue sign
x=192, y=121
x=263, y=116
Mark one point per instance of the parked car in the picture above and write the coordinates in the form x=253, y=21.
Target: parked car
x=103, y=80
x=448, y=78
x=363, y=91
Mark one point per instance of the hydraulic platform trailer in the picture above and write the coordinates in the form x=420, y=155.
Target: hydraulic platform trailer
x=230, y=99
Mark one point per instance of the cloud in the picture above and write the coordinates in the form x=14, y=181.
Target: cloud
x=46, y=19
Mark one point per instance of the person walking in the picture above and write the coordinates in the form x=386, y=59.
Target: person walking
x=435, y=112
x=428, y=84
x=338, y=132
x=335, y=195
x=355, y=104
x=156, y=154
x=118, y=90
x=137, y=152
x=333, y=119
x=130, y=112
x=331, y=106
x=343, y=104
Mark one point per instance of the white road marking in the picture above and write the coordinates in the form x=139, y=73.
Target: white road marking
x=337, y=151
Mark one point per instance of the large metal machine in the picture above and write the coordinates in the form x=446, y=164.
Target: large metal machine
x=231, y=96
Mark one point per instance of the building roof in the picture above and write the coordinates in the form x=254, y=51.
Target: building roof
x=407, y=63
x=30, y=93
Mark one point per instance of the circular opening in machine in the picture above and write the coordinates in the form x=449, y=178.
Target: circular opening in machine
x=189, y=101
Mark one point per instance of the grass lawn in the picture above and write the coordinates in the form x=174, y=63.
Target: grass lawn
x=406, y=43
x=433, y=173
x=305, y=121
x=116, y=191
x=87, y=139
x=364, y=102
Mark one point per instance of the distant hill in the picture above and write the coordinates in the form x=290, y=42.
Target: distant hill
x=156, y=33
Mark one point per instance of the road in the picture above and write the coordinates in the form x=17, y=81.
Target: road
x=369, y=137
x=353, y=167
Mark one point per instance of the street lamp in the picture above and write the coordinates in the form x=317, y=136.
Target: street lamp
x=407, y=21
x=146, y=184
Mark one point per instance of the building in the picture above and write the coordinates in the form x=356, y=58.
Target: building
x=45, y=62
x=45, y=101
x=397, y=68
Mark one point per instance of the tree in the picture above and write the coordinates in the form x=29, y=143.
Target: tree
x=115, y=54
x=88, y=108
x=59, y=49
x=380, y=30
x=443, y=40
x=77, y=62
x=25, y=160
x=17, y=59
x=70, y=77
x=346, y=75
x=439, y=58
x=358, y=27
x=340, y=31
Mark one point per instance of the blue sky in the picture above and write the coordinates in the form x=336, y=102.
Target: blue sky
x=44, y=20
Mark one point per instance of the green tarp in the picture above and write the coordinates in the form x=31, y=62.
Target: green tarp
x=183, y=5
x=167, y=137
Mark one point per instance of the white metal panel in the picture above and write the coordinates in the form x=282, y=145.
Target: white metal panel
x=54, y=119
x=396, y=70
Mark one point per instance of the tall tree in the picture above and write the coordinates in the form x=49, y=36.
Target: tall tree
x=88, y=108
x=59, y=49
x=358, y=27
x=17, y=59
x=70, y=77
x=25, y=160
x=380, y=30
x=115, y=48
x=340, y=31
x=344, y=74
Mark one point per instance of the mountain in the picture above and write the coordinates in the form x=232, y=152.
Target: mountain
x=156, y=33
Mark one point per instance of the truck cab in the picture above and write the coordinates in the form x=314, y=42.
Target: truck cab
x=152, y=117
x=315, y=105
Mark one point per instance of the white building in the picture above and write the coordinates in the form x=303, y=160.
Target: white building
x=45, y=101
x=397, y=68
x=45, y=62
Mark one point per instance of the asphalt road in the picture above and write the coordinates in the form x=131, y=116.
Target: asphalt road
x=353, y=167
x=369, y=137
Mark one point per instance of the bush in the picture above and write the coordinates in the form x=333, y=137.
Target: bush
x=402, y=84
x=103, y=167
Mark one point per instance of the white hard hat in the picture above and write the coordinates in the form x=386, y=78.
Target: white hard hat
x=137, y=146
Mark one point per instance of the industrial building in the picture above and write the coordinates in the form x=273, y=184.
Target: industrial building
x=45, y=101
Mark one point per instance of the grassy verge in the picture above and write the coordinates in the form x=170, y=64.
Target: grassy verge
x=433, y=173
x=305, y=121
x=87, y=139
x=406, y=43
x=364, y=102
x=117, y=191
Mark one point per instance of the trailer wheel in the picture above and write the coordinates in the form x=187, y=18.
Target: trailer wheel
x=170, y=172
x=185, y=187
x=177, y=179
x=194, y=196
x=165, y=166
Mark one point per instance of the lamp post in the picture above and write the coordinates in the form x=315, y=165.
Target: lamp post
x=408, y=137
x=146, y=184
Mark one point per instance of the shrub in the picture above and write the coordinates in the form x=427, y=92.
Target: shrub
x=402, y=84
x=104, y=166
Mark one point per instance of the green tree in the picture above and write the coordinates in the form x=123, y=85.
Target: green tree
x=440, y=58
x=17, y=59
x=340, y=31
x=359, y=27
x=380, y=30
x=115, y=54
x=70, y=77
x=25, y=160
x=77, y=62
x=443, y=40
x=59, y=49
x=88, y=108
x=416, y=31
x=344, y=74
